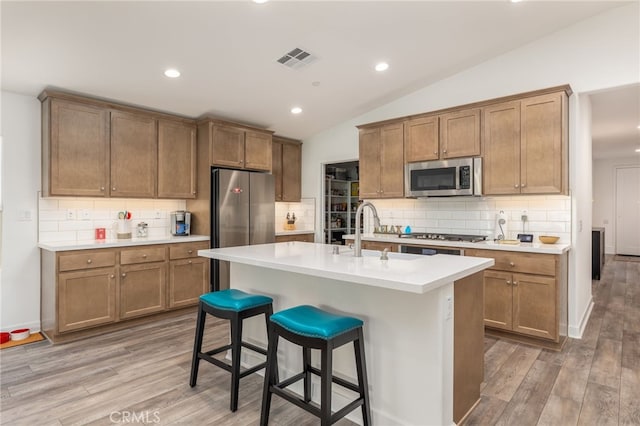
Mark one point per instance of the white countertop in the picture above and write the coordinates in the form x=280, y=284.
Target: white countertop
x=97, y=244
x=403, y=272
x=296, y=232
x=557, y=248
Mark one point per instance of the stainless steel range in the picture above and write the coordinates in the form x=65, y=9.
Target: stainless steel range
x=444, y=237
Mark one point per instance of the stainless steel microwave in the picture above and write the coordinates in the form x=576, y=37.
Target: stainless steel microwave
x=446, y=178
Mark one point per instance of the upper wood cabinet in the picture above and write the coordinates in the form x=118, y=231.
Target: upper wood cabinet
x=460, y=134
x=75, y=149
x=236, y=146
x=287, y=168
x=97, y=148
x=382, y=161
x=176, y=159
x=433, y=137
x=421, y=139
x=134, y=153
x=525, y=146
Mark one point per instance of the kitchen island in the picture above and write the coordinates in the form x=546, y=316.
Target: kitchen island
x=407, y=303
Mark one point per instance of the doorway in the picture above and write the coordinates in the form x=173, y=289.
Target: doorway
x=628, y=211
x=341, y=200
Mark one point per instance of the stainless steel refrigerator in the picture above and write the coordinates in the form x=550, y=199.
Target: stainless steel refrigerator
x=242, y=213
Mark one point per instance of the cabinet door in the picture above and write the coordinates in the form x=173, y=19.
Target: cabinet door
x=257, y=151
x=142, y=289
x=534, y=306
x=176, y=160
x=77, y=149
x=501, y=146
x=370, y=147
x=498, y=311
x=134, y=148
x=542, y=154
x=421, y=139
x=291, y=172
x=188, y=279
x=227, y=147
x=276, y=168
x=392, y=161
x=86, y=298
x=460, y=134
x=378, y=245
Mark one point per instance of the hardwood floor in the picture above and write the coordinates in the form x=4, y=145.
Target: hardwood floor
x=593, y=381
x=143, y=373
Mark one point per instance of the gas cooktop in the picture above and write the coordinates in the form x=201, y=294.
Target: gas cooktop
x=444, y=237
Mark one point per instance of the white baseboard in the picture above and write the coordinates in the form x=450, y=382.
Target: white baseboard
x=576, y=332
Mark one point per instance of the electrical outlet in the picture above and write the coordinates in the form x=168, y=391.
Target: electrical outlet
x=524, y=217
x=25, y=215
x=71, y=214
x=158, y=214
x=85, y=214
x=449, y=308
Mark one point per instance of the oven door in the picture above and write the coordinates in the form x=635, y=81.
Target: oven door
x=430, y=251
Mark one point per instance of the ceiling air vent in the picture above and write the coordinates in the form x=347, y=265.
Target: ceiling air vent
x=297, y=58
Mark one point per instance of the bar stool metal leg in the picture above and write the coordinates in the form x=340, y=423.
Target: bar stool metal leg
x=363, y=384
x=306, y=365
x=236, y=343
x=270, y=374
x=325, y=386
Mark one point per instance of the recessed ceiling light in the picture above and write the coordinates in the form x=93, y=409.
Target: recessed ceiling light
x=637, y=149
x=296, y=110
x=260, y=1
x=515, y=1
x=382, y=66
x=639, y=127
x=172, y=73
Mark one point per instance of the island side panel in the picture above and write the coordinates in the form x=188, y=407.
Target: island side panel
x=468, y=335
x=408, y=341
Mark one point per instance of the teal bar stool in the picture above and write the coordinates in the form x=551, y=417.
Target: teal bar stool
x=235, y=306
x=313, y=328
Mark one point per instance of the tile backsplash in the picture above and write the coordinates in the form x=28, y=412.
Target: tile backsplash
x=547, y=215
x=75, y=219
x=305, y=214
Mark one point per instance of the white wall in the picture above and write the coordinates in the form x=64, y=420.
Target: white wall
x=601, y=52
x=604, y=196
x=20, y=274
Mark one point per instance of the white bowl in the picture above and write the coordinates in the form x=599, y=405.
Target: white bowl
x=20, y=334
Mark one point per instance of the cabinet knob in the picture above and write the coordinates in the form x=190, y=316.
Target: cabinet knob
x=512, y=264
x=123, y=275
x=144, y=256
x=515, y=283
x=435, y=152
x=190, y=251
x=444, y=151
x=190, y=262
x=194, y=192
x=102, y=188
x=523, y=185
x=240, y=161
x=516, y=186
x=112, y=276
x=89, y=260
x=508, y=282
x=113, y=189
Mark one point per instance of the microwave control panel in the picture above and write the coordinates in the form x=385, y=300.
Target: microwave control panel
x=465, y=177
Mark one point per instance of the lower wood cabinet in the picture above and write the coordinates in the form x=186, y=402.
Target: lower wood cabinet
x=525, y=293
x=87, y=292
x=379, y=245
x=86, y=298
x=142, y=289
x=305, y=238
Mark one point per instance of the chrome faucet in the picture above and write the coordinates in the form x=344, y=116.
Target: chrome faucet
x=357, y=248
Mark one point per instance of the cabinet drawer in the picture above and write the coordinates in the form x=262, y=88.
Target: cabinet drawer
x=305, y=238
x=86, y=260
x=528, y=263
x=187, y=250
x=143, y=255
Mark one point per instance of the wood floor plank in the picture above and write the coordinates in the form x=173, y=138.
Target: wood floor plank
x=571, y=383
x=560, y=411
x=630, y=397
x=504, y=383
x=631, y=350
x=600, y=406
x=499, y=352
x=606, y=366
x=531, y=396
x=486, y=412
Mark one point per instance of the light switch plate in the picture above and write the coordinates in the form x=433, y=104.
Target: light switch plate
x=71, y=214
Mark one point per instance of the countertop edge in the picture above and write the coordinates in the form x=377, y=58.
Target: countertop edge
x=296, y=232
x=92, y=245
